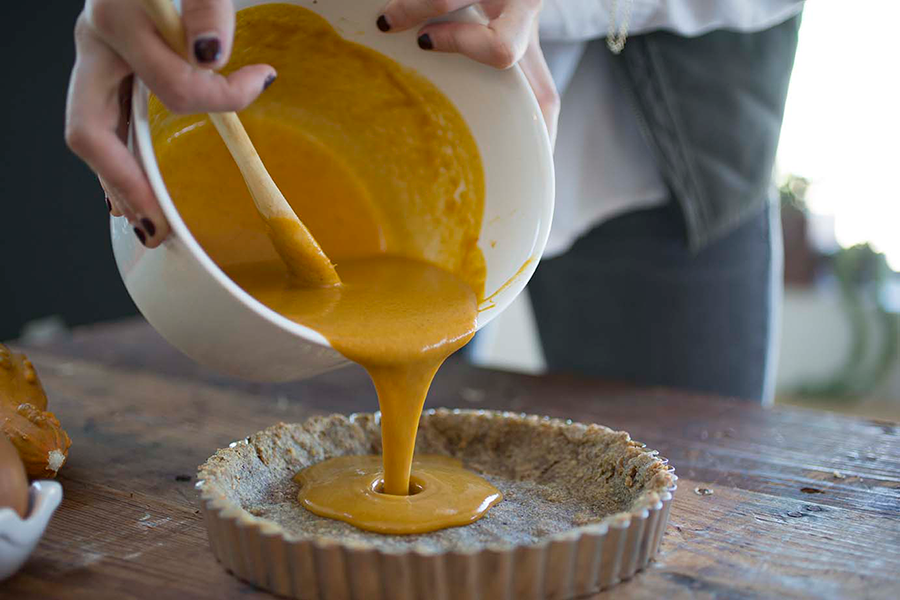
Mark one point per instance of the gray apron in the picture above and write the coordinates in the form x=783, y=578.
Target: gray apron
x=686, y=295
x=710, y=107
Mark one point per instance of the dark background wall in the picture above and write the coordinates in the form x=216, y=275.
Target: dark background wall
x=55, y=255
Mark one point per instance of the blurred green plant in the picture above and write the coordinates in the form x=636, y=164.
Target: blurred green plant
x=861, y=274
x=793, y=192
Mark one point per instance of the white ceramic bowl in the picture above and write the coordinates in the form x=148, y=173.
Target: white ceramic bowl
x=188, y=299
x=18, y=536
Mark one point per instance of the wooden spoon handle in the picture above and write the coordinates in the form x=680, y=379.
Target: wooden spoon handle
x=168, y=23
x=229, y=126
x=292, y=240
x=268, y=198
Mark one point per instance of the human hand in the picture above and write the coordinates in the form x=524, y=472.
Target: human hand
x=509, y=37
x=115, y=39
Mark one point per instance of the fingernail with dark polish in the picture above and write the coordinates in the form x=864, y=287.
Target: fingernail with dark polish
x=148, y=226
x=382, y=23
x=140, y=235
x=207, y=49
x=269, y=81
x=108, y=204
x=425, y=42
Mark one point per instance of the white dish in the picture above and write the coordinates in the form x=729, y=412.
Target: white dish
x=19, y=537
x=191, y=302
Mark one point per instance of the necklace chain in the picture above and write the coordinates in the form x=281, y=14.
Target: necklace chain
x=616, y=36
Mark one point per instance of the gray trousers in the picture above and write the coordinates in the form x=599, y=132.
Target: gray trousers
x=630, y=302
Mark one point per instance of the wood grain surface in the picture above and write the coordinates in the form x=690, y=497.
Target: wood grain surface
x=804, y=504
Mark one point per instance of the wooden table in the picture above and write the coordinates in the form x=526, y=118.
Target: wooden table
x=804, y=504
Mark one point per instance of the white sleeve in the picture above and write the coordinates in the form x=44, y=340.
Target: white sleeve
x=578, y=20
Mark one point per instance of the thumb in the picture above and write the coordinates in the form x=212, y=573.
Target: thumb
x=209, y=28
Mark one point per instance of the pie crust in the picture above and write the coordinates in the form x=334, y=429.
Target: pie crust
x=583, y=508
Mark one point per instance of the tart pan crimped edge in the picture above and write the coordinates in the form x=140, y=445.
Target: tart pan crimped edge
x=573, y=563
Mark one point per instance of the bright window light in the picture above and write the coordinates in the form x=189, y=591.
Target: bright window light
x=842, y=120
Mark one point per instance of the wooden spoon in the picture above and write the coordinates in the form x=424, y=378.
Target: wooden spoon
x=292, y=240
